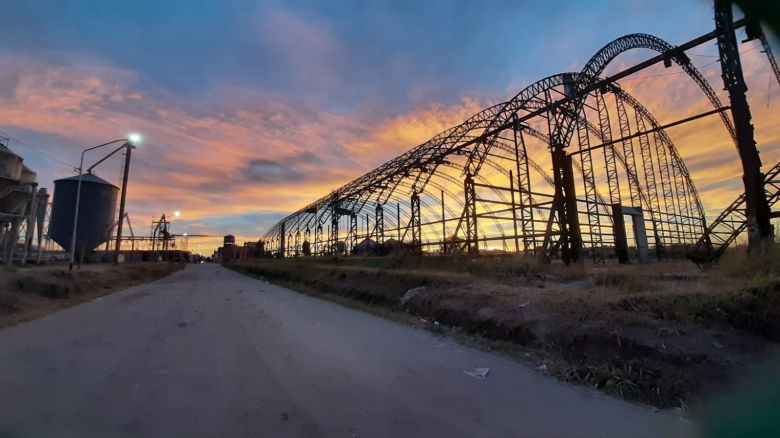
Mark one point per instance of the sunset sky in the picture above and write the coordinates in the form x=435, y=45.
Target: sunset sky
x=252, y=109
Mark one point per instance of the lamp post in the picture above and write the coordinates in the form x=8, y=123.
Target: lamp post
x=129, y=144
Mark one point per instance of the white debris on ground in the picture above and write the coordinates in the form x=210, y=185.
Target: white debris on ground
x=477, y=372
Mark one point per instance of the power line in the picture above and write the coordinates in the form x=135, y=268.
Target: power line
x=34, y=149
x=681, y=72
x=702, y=55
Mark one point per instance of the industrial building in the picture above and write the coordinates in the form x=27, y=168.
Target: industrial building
x=230, y=252
x=22, y=207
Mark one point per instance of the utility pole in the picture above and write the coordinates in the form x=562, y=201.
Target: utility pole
x=757, y=208
x=122, y=202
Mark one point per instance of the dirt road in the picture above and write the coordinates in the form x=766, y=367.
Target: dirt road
x=209, y=352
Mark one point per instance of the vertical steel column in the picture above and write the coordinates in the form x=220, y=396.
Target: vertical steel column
x=651, y=189
x=682, y=199
x=524, y=191
x=297, y=251
x=610, y=162
x=31, y=215
x=757, y=208
x=671, y=207
x=282, y=235
x=353, y=233
x=307, y=246
x=573, y=220
x=595, y=231
x=443, y=225
x=318, y=240
x=398, y=219
x=379, y=225
x=564, y=200
x=470, y=210
x=514, y=210
x=334, y=232
x=414, y=221
x=628, y=152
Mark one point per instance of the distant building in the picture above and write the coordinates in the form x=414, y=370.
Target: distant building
x=230, y=252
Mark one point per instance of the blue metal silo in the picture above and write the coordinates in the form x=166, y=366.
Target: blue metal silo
x=97, y=211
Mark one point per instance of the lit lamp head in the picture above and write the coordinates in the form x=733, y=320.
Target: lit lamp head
x=134, y=139
x=177, y=213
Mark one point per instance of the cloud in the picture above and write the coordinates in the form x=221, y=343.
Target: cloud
x=201, y=159
x=268, y=171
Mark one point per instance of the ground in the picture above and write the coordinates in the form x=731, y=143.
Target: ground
x=210, y=352
x=29, y=292
x=668, y=334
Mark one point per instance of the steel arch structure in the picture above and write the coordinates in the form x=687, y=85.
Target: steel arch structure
x=474, y=187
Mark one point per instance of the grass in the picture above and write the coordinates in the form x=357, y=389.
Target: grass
x=31, y=292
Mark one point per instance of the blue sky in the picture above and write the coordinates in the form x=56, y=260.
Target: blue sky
x=341, y=54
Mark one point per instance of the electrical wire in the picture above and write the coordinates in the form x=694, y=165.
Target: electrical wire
x=702, y=55
x=681, y=72
x=34, y=149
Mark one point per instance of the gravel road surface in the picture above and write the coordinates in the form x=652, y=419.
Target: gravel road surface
x=207, y=352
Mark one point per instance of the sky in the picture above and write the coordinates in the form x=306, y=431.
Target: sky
x=251, y=109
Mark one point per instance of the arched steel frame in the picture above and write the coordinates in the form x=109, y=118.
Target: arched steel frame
x=564, y=104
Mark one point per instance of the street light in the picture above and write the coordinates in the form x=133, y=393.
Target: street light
x=128, y=143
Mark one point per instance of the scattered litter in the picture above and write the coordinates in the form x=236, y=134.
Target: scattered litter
x=435, y=322
x=717, y=344
x=425, y=321
x=477, y=372
x=411, y=293
x=524, y=305
x=542, y=367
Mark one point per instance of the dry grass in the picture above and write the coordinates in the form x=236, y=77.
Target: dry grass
x=31, y=292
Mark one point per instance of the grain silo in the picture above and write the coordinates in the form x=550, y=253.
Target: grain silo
x=97, y=211
x=15, y=180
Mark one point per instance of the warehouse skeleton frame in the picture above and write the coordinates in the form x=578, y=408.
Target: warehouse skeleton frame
x=475, y=187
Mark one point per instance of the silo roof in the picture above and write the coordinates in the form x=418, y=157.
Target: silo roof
x=87, y=177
